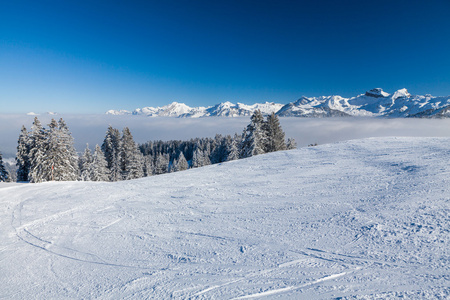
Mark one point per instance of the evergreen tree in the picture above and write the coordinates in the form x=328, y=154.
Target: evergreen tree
x=275, y=134
x=173, y=166
x=200, y=157
x=180, y=164
x=233, y=148
x=38, y=144
x=60, y=162
x=131, y=159
x=23, y=156
x=98, y=169
x=3, y=173
x=161, y=164
x=220, y=149
x=111, y=150
x=291, y=144
x=69, y=157
x=148, y=165
x=115, y=170
x=254, y=137
x=85, y=164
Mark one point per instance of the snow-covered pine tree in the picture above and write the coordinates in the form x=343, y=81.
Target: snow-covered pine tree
x=111, y=150
x=233, y=148
x=115, y=170
x=23, y=156
x=291, y=144
x=85, y=164
x=180, y=164
x=61, y=157
x=38, y=144
x=148, y=165
x=275, y=134
x=173, y=166
x=131, y=159
x=161, y=164
x=3, y=173
x=200, y=157
x=12, y=172
x=219, y=149
x=98, y=169
x=254, y=136
x=70, y=153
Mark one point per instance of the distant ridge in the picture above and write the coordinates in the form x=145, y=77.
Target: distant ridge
x=373, y=103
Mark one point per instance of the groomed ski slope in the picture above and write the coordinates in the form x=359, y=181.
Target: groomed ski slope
x=363, y=219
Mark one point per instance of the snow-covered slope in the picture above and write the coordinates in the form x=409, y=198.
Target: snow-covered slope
x=364, y=219
x=373, y=103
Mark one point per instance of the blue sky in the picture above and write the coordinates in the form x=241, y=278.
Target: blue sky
x=91, y=56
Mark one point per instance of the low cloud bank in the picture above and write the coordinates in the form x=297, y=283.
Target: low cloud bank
x=92, y=128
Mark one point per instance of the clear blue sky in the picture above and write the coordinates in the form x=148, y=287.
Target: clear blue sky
x=91, y=56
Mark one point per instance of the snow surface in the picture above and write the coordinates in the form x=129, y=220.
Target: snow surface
x=360, y=219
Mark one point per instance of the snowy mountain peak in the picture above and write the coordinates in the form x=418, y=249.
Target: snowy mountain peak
x=377, y=93
x=402, y=93
x=118, y=112
x=373, y=103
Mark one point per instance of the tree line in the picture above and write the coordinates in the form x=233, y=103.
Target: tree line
x=47, y=154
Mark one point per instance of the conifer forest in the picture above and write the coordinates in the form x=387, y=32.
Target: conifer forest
x=48, y=154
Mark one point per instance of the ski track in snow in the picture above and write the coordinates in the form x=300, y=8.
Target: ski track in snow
x=359, y=219
x=291, y=288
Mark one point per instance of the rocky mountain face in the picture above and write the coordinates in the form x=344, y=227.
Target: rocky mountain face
x=373, y=103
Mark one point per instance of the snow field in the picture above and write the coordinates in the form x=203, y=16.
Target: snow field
x=361, y=219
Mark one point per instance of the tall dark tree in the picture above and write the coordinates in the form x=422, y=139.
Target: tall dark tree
x=131, y=159
x=275, y=134
x=4, y=175
x=23, y=156
x=111, y=150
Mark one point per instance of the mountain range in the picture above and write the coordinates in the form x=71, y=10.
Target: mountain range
x=373, y=103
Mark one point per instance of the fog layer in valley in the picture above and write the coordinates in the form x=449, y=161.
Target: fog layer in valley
x=91, y=128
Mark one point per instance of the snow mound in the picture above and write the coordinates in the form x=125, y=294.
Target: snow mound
x=358, y=219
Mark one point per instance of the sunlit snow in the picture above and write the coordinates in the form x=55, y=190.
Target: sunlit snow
x=360, y=219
